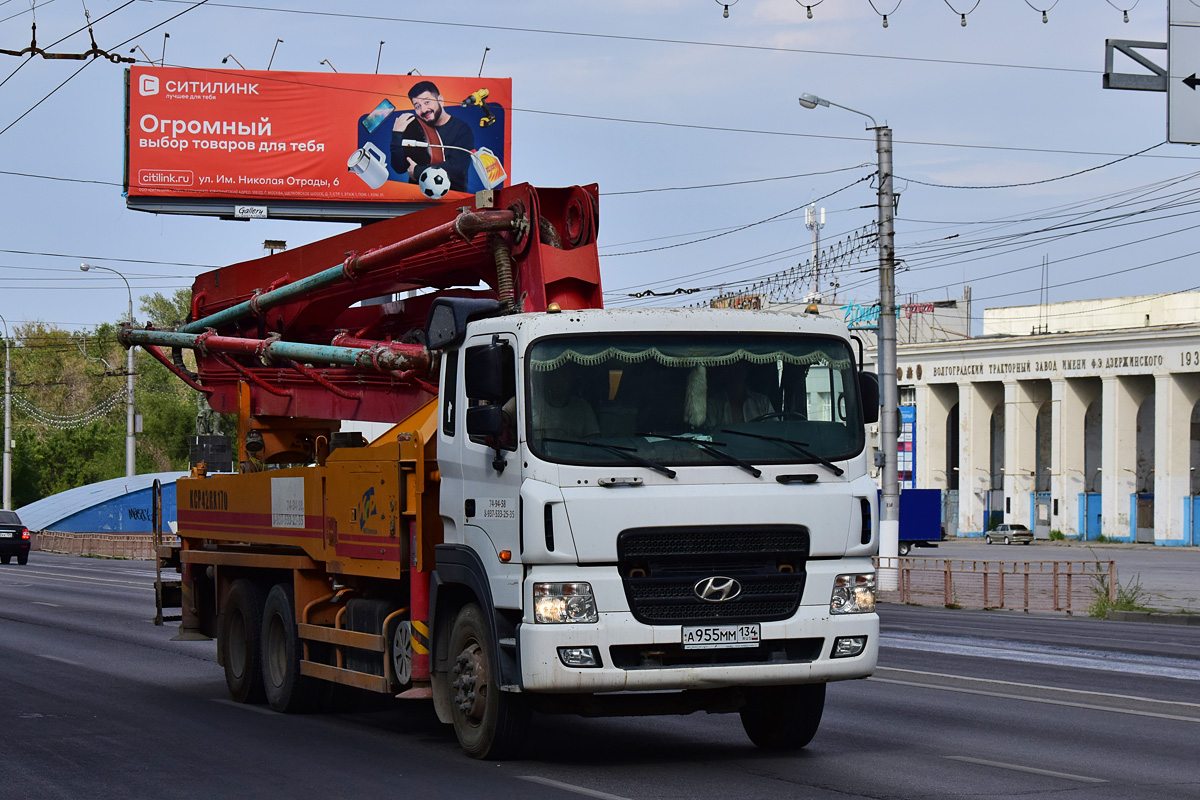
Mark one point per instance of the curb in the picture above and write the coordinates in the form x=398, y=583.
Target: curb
x=1153, y=616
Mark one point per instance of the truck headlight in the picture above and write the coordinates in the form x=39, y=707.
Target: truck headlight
x=564, y=602
x=853, y=594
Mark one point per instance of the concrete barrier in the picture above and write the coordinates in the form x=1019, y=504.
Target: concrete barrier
x=105, y=545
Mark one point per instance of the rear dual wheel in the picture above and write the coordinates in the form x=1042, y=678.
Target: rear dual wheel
x=286, y=689
x=240, y=639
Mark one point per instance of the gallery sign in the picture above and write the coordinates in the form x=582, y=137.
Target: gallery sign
x=243, y=135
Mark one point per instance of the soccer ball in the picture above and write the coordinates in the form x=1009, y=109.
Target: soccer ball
x=434, y=182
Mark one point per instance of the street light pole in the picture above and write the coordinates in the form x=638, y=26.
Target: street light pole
x=889, y=417
x=7, y=419
x=130, y=469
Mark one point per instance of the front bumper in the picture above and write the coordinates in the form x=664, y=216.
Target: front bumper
x=640, y=657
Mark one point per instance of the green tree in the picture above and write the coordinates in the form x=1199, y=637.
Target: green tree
x=69, y=424
x=167, y=312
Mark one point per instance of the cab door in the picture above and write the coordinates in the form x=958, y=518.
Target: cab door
x=490, y=462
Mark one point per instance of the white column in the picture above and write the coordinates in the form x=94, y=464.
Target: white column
x=933, y=407
x=1174, y=397
x=976, y=401
x=1020, y=449
x=1067, y=481
x=1118, y=458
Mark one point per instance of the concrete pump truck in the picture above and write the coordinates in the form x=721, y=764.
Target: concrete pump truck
x=576, y=509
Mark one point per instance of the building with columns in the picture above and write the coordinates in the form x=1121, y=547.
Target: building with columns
x=1090, y=429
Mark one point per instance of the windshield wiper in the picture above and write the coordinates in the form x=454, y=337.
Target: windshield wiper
x=800, y=447
x=708, y=447
x=628, y=453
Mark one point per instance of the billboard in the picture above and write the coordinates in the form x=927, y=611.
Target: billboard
x=279, y=137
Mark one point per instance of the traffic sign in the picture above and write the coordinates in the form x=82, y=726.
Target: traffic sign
x=1183, y=12
x=1183, y=85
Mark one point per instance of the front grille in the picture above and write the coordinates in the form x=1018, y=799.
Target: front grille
x=660, y=568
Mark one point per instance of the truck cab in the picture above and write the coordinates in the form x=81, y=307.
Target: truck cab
x=639, y=501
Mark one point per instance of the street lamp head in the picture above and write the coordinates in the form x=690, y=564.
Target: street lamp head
x=812, y=101
x=85, y=266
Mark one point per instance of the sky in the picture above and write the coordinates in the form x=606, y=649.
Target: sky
x=689, y=123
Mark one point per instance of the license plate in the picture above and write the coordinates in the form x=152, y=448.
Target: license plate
x=711, y=637
x=6, y=534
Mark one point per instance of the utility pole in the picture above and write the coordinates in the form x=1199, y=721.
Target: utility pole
x=814, y=220
x=7, y=419
x=130, y=457
x=889, y=416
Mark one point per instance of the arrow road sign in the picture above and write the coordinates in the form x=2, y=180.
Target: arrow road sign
x=1183, y=101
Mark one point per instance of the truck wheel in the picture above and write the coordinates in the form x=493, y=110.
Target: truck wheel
x=241, y=631
x=287, y=690
x=399, y=634
x=905, y=548
x=488, y=722
x=783, y=717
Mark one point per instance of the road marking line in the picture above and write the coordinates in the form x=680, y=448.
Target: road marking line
x=246, y=706
x=1163, y=667
x=39, y=603
x=61, y=660
x=1135, y=698
x=95, y=581
x=1045, y=700
x=1031, y=770
x=569, y=787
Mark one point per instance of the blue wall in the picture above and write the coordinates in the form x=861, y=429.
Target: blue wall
x=128, y=513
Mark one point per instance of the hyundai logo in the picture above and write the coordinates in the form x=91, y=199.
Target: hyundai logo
x=717, y=589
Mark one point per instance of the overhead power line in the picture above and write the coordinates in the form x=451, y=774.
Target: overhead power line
x=738, y=229
x=85, y=257
x=651, y=39
x=1033, y=183
x=24, y=114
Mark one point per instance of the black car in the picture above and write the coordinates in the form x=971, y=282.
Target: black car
x=14, y=538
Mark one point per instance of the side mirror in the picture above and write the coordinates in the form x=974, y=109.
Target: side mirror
x=486, y=421
x=490, y=372
x=868, y=392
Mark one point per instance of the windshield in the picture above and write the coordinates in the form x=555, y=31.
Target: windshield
x=743, y=400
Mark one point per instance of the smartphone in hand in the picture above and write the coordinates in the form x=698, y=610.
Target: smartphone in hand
x=371, y=121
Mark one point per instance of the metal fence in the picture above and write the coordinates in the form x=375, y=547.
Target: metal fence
x=1070, y=586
